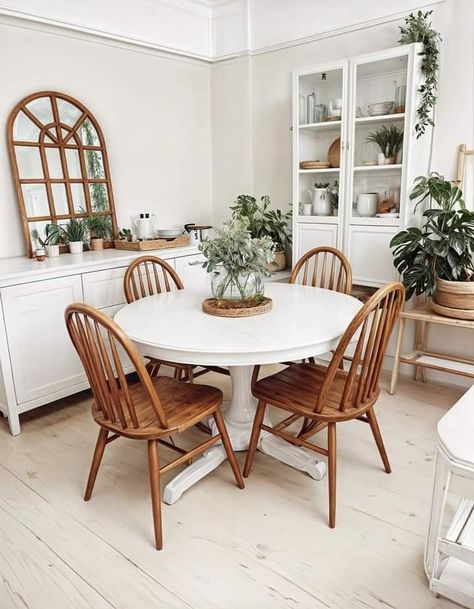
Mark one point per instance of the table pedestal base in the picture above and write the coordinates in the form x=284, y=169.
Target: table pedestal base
x=239, y=419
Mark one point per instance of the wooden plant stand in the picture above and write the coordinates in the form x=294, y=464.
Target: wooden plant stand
x=423, y=316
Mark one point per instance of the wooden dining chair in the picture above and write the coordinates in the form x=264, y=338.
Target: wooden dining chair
x=323, y=267
x=319, y=397
x=151, y=409
x=150, y=275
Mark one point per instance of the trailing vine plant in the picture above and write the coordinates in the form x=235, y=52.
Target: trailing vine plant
x=418, y=29
x=95, y=169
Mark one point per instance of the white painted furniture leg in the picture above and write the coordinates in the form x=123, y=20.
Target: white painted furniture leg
x=239, y=419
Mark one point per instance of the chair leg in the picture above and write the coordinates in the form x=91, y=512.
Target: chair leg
x=374, y=426
x=255, y=436
x=190, y=374
x=219, y=419
x=96, y=459
x=177, y=374
x=155, y=491
x=332, y=456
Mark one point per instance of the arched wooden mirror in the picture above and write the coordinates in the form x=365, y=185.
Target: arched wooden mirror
x=60, y=166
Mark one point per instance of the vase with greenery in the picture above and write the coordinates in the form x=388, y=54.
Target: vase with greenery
x=54, y=237
x=75, y=233
x=237, y=261
x=418, y=28
x=99, y=228
x=442, y=249
x=389, y=140
x=262, y=221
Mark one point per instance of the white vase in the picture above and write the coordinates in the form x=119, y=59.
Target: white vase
x=76, y=247
x=367, y=204
x=322, y=202
x=52, y=251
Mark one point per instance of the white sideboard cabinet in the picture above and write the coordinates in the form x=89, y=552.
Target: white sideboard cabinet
x=37, y=359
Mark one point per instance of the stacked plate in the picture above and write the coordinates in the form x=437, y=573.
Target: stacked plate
x=170, y=233
x=380, y=108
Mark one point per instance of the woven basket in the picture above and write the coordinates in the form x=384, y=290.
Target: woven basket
x=334, y=153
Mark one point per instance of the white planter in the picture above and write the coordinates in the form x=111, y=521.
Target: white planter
x=321, y=202
x=52, y=251
x=76, y=247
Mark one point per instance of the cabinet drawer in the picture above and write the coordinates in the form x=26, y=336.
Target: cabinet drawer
x=104, y=288
x=191, y=273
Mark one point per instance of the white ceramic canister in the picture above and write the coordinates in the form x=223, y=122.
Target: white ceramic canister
x=322, y=202
x=367, y=204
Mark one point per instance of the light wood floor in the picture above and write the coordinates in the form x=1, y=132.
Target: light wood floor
x=267, y=546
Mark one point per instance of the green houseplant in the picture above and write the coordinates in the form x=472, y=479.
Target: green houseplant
x=238, y=262
x=389, y=140
x=418, y=28
x=99, y=228
x=262, y=221
x=437, y=258
x=75, y=234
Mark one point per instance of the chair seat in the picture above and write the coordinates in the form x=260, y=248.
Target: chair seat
x=184, y=405
x=297, y=387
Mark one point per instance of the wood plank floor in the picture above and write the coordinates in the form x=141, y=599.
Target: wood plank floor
x=267, y=546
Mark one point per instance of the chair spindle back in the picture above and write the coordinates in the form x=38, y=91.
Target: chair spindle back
x=149, y=275
x=323, y=267
x=372, y=328
x=100, y=342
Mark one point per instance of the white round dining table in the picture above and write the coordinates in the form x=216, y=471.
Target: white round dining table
x=303, y=322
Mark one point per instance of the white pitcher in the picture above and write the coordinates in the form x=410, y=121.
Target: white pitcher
x=145, y=225
x=321, y=202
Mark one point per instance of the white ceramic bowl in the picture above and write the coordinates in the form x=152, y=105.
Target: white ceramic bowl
x=380, y=108
x=170, y=233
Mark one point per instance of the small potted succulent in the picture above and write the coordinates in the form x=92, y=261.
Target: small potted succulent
x=75, y=234
x=262, y=221
x=99, y=228
x=125, y=234
x=238, y=262
x=390, y=141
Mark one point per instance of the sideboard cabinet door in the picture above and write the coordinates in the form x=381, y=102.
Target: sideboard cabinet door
x=42, y=356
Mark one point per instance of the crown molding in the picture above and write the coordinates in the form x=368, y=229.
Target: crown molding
x=60, y=28
x=198, y=8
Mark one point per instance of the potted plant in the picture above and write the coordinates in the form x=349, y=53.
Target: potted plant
x=389, y=140
x=437, y=259
x=238, y=262
x=125, y=234
x=262, y=221
x=55, y=235
x=75, y=233
x=99, y=228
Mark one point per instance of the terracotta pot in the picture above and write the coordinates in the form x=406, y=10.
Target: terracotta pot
x=454, y=298
x=97, y=244
x=279, y=264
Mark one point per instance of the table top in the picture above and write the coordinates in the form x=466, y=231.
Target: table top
x=304, y=321
x=456, y=431
x=426, y=313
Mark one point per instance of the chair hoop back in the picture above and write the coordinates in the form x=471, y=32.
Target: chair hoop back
x=323, y=267
x=99, y=341
x=371, y=327
x=149, y=275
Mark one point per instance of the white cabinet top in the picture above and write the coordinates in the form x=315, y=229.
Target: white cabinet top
x=23, y=270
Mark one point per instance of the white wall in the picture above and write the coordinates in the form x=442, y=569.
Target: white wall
x=154, y=111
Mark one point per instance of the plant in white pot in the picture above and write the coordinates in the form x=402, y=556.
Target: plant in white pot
x=55, y=236
x=238, y=262
x=262, y=221
x=437, y=259
x=75, y=235
x=389, y=140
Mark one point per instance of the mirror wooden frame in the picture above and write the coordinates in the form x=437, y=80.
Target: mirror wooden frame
x=62, y=137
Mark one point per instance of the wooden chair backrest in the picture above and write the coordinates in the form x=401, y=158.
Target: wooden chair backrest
x=324, y=267
x=371, y=328
x=98, y=341
x=149, y=275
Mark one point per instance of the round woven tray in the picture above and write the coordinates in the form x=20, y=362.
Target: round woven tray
x=225, y=308
x=334, y=153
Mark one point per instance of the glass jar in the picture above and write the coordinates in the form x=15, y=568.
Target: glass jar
x=245, y=285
